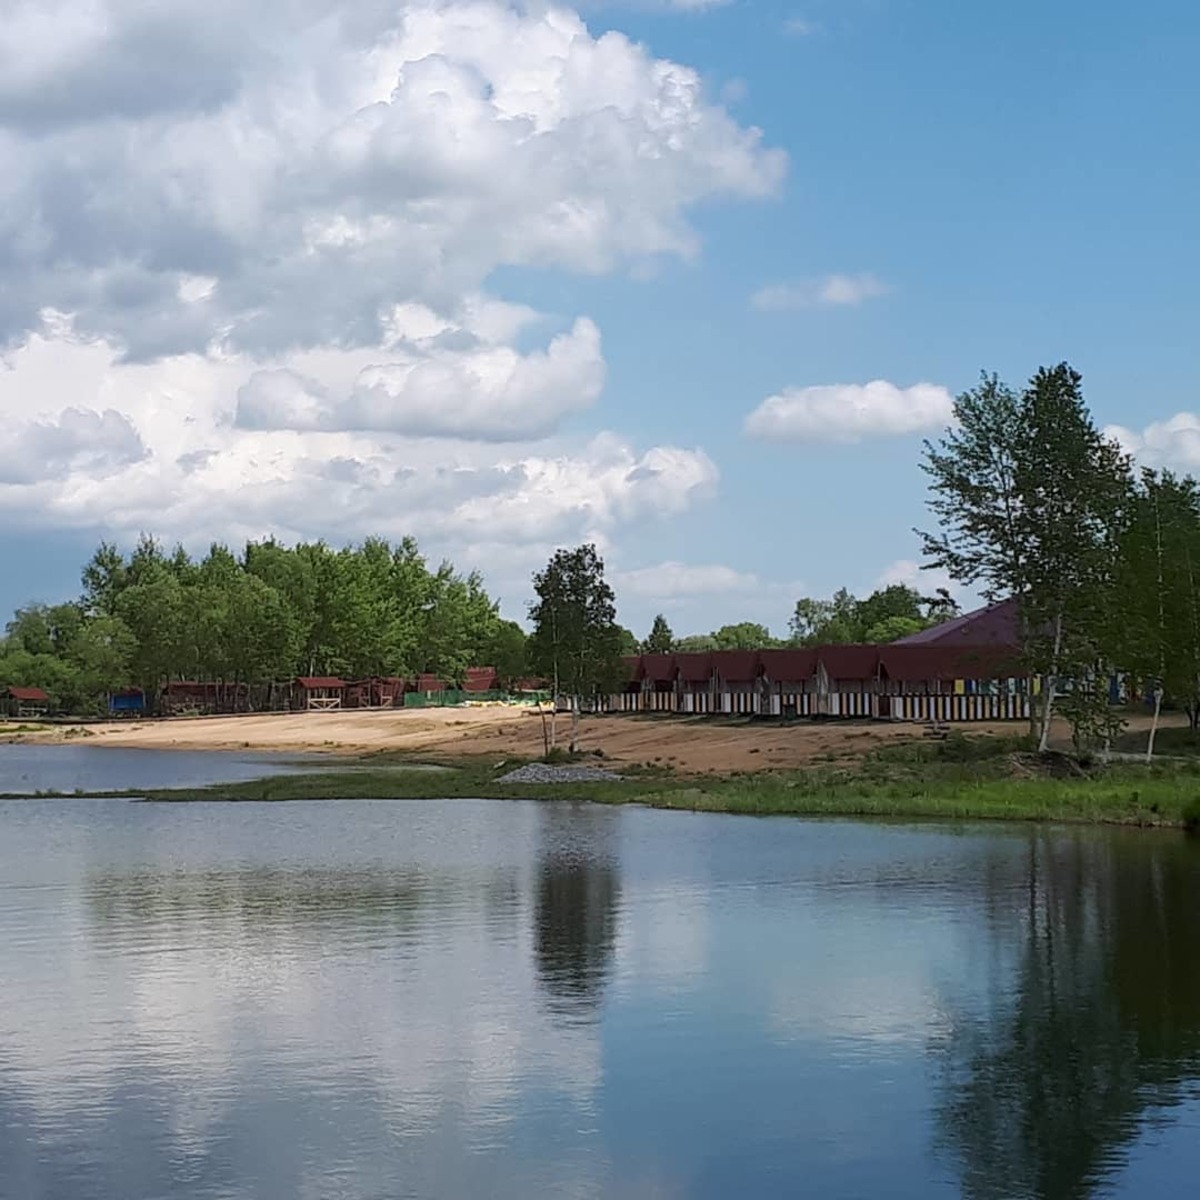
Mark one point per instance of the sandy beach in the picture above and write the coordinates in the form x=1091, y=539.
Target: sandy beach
x=693, y=745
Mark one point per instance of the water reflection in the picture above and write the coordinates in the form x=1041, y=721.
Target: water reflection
x=576, y=909
x=1096, y=1023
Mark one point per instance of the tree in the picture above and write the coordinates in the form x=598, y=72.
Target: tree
x=696, y=643
x=1156, y=607
x=747, y=635
x=1029, y=496
x=576, y=641
x=661, y=639
x=505, y=649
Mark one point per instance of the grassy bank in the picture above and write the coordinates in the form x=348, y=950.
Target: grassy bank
x=979, y=778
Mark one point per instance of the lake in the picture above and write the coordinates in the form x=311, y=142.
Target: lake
x=26, y=769
x=369, y=1000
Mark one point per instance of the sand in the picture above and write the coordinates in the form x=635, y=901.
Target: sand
x=693, y=745
x=697, y=745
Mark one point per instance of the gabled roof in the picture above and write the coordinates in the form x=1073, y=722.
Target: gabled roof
x=913, y=663
x=849, y=662
x=736, y=666
x=657, y=668
x=311, y=682
x=993, y=625
x=28, y=695
x=694, y=667
x=789, y=665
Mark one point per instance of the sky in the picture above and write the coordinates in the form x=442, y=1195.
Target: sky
x=688, y=280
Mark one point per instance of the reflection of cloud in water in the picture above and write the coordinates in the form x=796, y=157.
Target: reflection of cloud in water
x=406, y=997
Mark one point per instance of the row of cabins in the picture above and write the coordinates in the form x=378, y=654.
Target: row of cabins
x=315, y=693
x=890, y=682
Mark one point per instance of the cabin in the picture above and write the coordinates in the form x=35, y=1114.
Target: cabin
x=375, y=691
x=735, y=682
x=951, y=682
x=657, y=679
x=18, y=701
x=787, y=682
x=694, y=682
x=318, y=693
x=186, y=697
x=480, y=682
x=845, y=681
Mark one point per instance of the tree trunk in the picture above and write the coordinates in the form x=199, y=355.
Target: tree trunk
x=1154, y=724
x=575, y=725
x=1050, y=686
x=545, y=730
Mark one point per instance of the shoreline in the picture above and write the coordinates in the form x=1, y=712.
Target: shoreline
x=1166, y=796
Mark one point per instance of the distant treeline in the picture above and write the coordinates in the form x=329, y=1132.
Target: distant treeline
x=271, y=613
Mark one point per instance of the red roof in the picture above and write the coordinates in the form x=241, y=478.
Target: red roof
x=849, y=662
x=789, y=665
x=995, y=625
x=312, y=682
x=657, y=668
x=736, y=666
x=913, y=663
x=29, y=695
x=430, y=683
x=694, y=667
x=481, y=679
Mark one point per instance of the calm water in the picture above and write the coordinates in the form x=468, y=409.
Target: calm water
x=27, y=769
x=472, y=999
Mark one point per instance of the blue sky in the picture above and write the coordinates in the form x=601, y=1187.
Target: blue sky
x=939, y=188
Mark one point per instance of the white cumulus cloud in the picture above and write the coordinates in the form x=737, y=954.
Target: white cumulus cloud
x=851, y=412
x=833, y=291
x=246, y=253
x=1174, y=443
x=673, y=580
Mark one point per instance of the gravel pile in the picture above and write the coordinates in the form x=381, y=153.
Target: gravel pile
x=546, y=773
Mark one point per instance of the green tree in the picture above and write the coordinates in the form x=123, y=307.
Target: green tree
x=505, y=649
x=661, y=640
x=746, y=635
x=696, y=643
x=1029, y=496
x=576, y=642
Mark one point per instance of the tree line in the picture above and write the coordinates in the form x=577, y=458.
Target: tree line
x=269, y=614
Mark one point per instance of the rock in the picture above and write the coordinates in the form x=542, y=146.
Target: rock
x=546, y=773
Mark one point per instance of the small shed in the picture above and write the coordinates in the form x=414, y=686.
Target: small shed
x=951, y=683
x=128, y=702
x=320, y=692
x=481, y=680
x=24, y=701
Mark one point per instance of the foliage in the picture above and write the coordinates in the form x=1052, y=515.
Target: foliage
x=661, y=639
x=1031, y=498
x=576, y=641
x=886, y=615
x=271, y=614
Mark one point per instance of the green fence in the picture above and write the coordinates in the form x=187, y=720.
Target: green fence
x=453, y=696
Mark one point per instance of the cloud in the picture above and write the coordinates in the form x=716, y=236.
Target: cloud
x=192, y=449
x=288, y=176
x=799, y=27
x=833, y=291
x=1171, y=443
x=676, y=580
x=909, y=572
x=256, y=267
x=94, y=445
x=850, y=412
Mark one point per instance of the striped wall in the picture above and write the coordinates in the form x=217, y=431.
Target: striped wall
x=960, y=707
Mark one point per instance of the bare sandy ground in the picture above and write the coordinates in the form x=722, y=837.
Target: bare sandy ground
x=692, y=745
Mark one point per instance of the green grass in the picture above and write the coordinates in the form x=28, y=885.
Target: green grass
x=927, y=782
x=981, y=778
